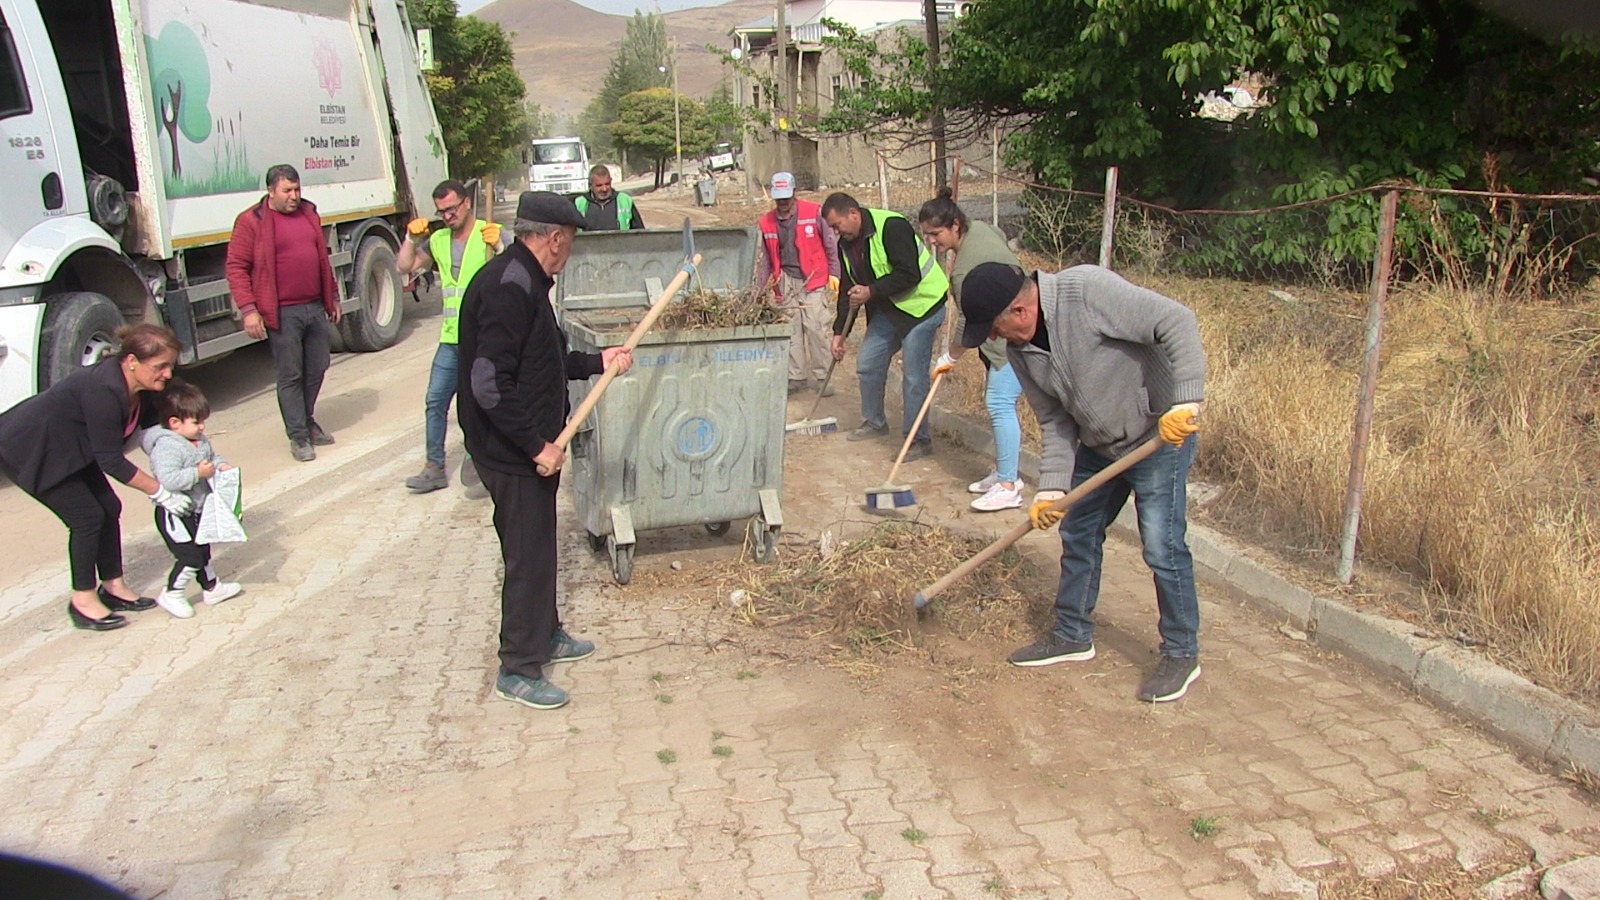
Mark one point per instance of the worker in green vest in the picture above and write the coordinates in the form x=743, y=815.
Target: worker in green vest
x=607, y=209
x=459, y=250
x=885, y=268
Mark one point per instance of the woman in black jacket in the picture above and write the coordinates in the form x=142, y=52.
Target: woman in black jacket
x=60, y=445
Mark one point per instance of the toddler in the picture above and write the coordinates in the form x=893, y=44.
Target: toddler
x=182, y=459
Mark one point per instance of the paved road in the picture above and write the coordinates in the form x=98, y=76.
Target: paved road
x=332, y=732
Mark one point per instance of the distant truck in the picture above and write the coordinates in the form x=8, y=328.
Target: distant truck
x=722, y=158
x=132, y=132
x=559, y=164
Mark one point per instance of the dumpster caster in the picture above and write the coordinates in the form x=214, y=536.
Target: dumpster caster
x=621, y=559
x=717, y=529
x=763, y=539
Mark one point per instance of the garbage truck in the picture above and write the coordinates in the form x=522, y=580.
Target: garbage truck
x=133, y=132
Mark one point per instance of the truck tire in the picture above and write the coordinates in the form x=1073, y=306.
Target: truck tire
x=376, y=324
x=80, y=328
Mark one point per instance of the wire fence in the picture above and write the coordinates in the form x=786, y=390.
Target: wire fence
x=1469, y=457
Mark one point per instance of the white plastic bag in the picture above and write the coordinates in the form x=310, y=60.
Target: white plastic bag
x=219, y=515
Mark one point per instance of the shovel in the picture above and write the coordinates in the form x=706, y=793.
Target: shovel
x=926, y=595
x=691, y=263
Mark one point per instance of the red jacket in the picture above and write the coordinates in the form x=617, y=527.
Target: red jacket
x=252, y=264
x=810, y=233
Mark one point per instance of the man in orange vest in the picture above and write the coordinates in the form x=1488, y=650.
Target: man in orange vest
x=801, y=265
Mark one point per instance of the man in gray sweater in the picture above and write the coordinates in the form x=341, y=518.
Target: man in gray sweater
x=1106, y=366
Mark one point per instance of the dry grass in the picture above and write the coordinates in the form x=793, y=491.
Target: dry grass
x=858, y=595
x=1482, y=470
x=1441, y=879
x=721, y=309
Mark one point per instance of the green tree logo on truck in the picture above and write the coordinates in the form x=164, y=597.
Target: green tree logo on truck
x=180, y=86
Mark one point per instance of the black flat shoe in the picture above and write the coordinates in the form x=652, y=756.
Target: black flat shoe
x=111, y=622
x=117, y=604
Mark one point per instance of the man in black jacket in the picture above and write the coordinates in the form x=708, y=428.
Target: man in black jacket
x=511, y=402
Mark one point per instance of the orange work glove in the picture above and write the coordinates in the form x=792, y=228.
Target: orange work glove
x=491, y=233
x=1178, y=423
x=1040, y=513
x=833, y=285
x=417, y=229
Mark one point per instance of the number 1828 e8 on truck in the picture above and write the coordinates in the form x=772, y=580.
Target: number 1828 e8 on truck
x=132, y=132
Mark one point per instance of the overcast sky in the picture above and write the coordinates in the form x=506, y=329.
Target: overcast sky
x=618, y=7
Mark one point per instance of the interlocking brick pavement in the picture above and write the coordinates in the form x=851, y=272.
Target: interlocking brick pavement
x=333, y=733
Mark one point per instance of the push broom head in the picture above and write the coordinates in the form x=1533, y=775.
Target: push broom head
x=889, y=496
x=825, y=425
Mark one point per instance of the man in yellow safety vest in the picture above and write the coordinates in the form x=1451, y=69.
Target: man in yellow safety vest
x=885, y=267
x=459, y=250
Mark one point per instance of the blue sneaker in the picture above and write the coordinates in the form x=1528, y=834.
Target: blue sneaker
x=538, y=693
x=566, y=648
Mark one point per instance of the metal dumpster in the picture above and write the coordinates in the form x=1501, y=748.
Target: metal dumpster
x=693, y=434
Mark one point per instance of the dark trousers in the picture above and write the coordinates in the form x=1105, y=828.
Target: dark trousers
x=300, y=352
x=188, y=554
x=525, y=520
x=92, y=513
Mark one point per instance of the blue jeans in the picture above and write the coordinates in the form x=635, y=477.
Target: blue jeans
x=1159, y=486
x=1000, y=395
x=441, y=390
x=880, y=344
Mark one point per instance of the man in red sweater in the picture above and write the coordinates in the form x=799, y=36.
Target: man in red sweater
x=282, y=280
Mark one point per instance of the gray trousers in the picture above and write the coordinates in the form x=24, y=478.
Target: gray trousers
x=301, y=353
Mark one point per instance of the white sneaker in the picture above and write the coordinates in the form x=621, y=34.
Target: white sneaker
x=225, y=590
x=982, y=487
x=999, y=497
x=174, y=602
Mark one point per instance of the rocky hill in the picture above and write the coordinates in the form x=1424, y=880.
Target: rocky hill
x=563, y=48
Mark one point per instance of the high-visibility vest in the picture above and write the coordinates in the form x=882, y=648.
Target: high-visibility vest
x=928, y=293
x=473, y=256
x=624, y=209
x=813, y=253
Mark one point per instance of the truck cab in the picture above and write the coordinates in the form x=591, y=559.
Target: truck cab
x=128, y=145
x=558, y=164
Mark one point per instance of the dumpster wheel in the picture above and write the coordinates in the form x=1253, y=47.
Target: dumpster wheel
x=763, y=539
x=621, y=559
x=717, y=529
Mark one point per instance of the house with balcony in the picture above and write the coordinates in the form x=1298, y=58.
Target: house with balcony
x=818, y=78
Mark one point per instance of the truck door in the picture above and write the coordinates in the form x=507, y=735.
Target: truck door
x=30, y=165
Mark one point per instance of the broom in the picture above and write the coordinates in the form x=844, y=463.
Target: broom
x=890, y=495
x=826, y=424
x=926, y=595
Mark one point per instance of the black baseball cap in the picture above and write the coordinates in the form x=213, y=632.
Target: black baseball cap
x=550, y=208
x=985, y=293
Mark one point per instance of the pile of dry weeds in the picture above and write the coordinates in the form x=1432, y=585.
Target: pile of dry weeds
x=721, y=309
x=861, y=591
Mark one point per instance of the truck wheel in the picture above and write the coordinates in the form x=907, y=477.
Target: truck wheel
x=79, y=329
x=376, y=324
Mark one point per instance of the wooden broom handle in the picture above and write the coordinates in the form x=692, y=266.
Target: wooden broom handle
x=912, y=434
x=610, y=374
x=1011, y=537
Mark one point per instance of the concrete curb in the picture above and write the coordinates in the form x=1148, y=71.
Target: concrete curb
x=1530, y=718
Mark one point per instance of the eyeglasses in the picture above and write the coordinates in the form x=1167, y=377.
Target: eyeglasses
x=451, y=210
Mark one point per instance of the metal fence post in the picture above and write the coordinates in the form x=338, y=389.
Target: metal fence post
x=1109, y=222
x=883, y=182
x=994, y=175
x=1362, y=435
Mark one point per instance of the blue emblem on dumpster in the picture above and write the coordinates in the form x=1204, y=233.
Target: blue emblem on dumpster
x=696, y=437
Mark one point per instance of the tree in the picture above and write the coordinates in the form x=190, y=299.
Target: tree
x=1358, y=91
x=645, y=124
x=476, y=90
x=641, y=62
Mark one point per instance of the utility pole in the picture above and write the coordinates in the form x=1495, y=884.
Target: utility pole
x=930, y=17
x=677, y=119
x=785, y=89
